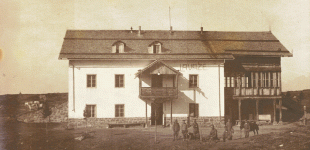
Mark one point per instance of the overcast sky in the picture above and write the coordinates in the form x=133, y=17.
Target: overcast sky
x=32, y=32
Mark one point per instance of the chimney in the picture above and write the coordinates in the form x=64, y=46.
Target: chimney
x=139, y=30
x=170, y=29
x=130, y=29
x=201, y=30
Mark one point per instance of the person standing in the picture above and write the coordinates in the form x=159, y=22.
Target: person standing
x=184, y=129
x=230, y=130
x=246, y=129
x=176, y=129
x=195, y=129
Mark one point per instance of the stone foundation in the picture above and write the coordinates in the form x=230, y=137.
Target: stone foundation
x=202, y=121
x=103, y=122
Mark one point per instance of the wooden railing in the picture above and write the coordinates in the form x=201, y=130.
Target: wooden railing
x=258, y=91
x=158, y=92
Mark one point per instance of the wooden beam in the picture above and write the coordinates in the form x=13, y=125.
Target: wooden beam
x=239, y=103
x=280, y=107
x=146, y=114
x=257, y=107
x=170, y=112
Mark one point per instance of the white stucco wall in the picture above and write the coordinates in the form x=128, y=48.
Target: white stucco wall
x=105, y=95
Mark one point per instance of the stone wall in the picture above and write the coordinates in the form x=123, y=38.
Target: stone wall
x=202, y=121
x=59, y=114
x=103, y=122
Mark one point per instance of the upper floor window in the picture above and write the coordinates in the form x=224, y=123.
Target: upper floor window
x=193, y=81
x=118, y=47
x=119, y=80
x=91, y=80
x=155, y=47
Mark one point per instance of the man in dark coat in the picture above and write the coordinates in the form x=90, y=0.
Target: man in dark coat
x=226, y=134
x=213, y=133
x=184, y=130
x=176, y=129
x=195, y=129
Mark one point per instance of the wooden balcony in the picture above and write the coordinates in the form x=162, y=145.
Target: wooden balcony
x=158, y=92
x=257, y=92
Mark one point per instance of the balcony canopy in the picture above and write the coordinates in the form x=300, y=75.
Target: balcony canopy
x=158, y=67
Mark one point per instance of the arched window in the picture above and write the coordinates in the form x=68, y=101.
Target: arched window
x=118, y=47
x=155, y=47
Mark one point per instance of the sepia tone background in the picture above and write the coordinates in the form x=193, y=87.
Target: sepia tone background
x=32, y=32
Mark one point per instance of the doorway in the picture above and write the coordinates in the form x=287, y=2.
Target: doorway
x=157, y=113
x=157, y=80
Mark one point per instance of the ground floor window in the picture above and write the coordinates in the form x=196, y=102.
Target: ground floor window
x=194, y=109
x=119, y=110
x=90, y=111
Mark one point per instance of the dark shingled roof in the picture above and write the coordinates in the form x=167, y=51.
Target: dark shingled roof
x=97, y=44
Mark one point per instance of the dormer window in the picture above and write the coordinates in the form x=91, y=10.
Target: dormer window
x=155, y=47
x=118, y=47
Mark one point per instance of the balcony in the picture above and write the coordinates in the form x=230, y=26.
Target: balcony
x=158, y=92
x=257, y=92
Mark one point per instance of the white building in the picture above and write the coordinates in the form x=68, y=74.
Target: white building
x=137, y=75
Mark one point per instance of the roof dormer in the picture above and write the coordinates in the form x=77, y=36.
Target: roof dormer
x=155, y=47
x=118, y=47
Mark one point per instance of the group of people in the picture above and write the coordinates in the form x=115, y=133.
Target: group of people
x=184, y=129
x=227, y=135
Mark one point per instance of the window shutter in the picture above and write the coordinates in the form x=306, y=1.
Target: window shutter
x=150, y=49
x=114, y=49
x=159, y=47
x=121, y=48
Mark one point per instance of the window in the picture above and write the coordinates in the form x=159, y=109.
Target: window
x=91, y=80
x=267, y=79
x=90, y=110
x=155, y=47
x=228, y=81
x=119, y=110
x=119, y=80
x=118, y=47
x=193, y=81
x=194, y=110
x=271, y=79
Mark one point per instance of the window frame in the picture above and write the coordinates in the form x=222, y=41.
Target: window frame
x=94, y=115
x=115, y=108
x=91, y=83
x=119, y=81
x=197, y=81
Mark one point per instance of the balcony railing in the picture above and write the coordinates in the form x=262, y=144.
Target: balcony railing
x=160, y=92
x=258, y=91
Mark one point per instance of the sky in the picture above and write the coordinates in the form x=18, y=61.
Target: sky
x=32, y=32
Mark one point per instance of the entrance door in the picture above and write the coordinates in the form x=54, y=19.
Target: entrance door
x=157, y=80
x=157, y=113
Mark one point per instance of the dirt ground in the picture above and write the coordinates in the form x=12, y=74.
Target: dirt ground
x=289, y=136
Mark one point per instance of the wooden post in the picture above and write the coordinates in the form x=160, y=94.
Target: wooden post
x=155, y=123
x=257, y=107
x=280, y=111
x=170, y=112
x=146, y=122
x=305, y=115
x=239, y=102
x=274, y=112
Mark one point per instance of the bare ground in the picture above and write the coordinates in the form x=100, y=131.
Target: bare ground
x=290, y=136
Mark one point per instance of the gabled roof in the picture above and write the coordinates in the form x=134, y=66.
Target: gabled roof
x=95, y=44
x=159, y=66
